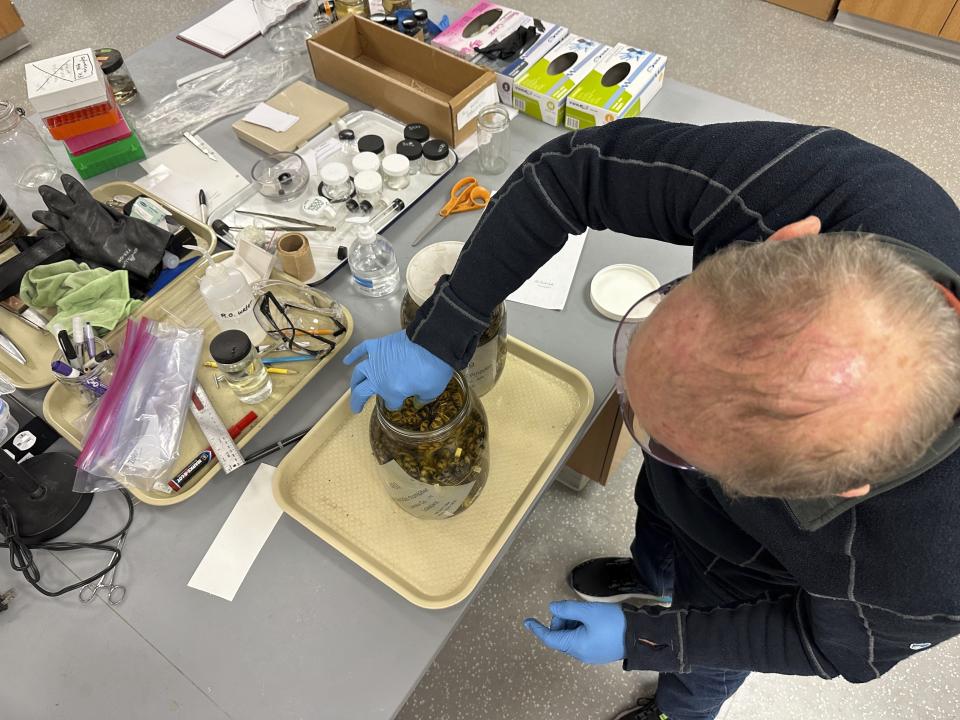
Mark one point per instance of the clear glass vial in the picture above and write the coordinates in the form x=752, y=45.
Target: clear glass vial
x=336, y=184
x=365, y=161
x=369, y=186
x=241, y=366
x=413, y=152
x=396, y=171
x=436, y=157
x=26, y=161
x=348, y=143
x=121, y=84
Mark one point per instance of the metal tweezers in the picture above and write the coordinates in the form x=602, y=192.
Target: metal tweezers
x=287, y=218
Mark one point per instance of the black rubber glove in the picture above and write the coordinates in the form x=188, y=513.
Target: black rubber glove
x=96, y=233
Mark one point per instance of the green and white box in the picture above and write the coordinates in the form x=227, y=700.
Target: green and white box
x=619, y=87
x=541, y=92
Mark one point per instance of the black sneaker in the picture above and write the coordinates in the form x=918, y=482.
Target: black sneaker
x=645, y=709
x=611, y=580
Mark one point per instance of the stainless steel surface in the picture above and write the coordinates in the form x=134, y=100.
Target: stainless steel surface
x=341, y=644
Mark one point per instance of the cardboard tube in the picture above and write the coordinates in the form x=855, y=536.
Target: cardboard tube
x=295, y=256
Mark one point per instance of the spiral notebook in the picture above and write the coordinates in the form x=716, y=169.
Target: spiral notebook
x=230, y=28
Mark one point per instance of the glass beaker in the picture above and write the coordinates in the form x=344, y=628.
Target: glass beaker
x=289, y=30
x=493, y=136
x=27, y=161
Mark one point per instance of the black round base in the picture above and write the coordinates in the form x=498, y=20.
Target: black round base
x=55, y=508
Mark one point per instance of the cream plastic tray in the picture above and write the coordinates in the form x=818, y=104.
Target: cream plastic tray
x=182, y=304
x=323, y=149
x=328, y=483
x=38, y=346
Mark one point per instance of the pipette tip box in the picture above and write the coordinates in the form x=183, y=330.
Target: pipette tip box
x=109, y=157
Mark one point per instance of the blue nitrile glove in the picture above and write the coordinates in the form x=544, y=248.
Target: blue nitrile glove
x=589, y=631
x=395, y=368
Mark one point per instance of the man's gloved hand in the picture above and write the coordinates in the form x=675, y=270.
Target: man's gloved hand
x=591, y=632
x=395, y=368
x=96, y=233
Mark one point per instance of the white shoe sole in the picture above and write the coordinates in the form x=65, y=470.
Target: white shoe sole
x=662, y=601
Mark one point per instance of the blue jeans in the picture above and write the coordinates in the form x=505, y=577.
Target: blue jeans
x=698, y=694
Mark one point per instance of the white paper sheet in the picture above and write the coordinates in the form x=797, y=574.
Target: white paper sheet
x=269, y=117
x=231, y=27
x=178, y=174
x=550, y=286
x=239, y=541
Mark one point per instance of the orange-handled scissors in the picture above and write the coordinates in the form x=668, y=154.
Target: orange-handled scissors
x=465, y=196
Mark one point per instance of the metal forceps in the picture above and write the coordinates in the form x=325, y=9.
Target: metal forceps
x=115, y=592
x=465, y=196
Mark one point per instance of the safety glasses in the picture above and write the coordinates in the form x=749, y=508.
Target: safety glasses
x=302, y=329
x=622, y=342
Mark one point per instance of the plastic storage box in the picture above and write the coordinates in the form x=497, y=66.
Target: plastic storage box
x=109, y=157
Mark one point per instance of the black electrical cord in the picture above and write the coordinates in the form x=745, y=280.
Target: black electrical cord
x=21, y=551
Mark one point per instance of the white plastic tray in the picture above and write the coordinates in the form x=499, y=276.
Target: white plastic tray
x=322, y=149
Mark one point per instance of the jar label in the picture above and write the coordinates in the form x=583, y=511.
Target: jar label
x=481, y=373
x=427, y=500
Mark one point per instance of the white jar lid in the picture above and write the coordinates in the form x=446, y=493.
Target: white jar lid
x=426, y=267
x=616, y=288
x=365, y=161
x=368, y=181
x=334, y=173
x=396, y=165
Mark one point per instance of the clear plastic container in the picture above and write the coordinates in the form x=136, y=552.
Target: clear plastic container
x=348, y=143
x=396, y=171
x=336, y=184
x=434, y=459
x=436, y=157
x=365, y=161
x=237, y=359
x=229, y=298
x=282, y=176
x=423, y=271
x=289, y=34
x=27, y=161
x=93, y=380
x=369, y=186
x=413, y=152
x=493, y=136
x=373, y=263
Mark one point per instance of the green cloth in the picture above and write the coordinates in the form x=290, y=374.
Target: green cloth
x=101, y=297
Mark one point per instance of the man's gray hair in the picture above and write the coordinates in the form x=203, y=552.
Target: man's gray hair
x=778, y=288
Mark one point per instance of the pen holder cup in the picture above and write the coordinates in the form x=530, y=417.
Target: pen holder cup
x=91, y=382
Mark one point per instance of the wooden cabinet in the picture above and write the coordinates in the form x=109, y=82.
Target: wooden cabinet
x=951, y=31
x=926, y=16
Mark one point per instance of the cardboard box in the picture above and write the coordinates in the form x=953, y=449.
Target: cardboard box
x=823, y=9
x=315, y=108
x=403, y=77
x=482, y=24
x=509, y=70
x=70, y=81
x=619, y=87
x=541, y=92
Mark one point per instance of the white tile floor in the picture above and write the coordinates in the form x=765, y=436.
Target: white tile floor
x=745, y=49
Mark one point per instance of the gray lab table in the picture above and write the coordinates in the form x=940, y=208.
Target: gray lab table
x=309, y=634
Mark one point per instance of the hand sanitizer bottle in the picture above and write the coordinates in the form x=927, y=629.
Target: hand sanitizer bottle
x=229, y=298
x=372, y=260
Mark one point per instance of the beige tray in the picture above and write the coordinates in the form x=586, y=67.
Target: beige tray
x=328, y=483
x=39, y=347
x=182, y=304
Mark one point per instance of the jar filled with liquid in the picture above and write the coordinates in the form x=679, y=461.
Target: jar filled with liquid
x=433, y=459
x=351, y=7
x=391, y=6
x=423, y=272
x=121, y=84
x=436, y=157
x=241, y=367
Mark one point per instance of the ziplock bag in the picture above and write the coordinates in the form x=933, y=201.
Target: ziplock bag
x=135, y=434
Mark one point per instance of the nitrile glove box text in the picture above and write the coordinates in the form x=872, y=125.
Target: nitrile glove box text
x=541, y=92
x=619, y=87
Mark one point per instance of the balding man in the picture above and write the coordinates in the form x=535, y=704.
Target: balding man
x=794, y=396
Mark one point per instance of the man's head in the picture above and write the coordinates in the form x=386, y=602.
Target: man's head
x=804, y=368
